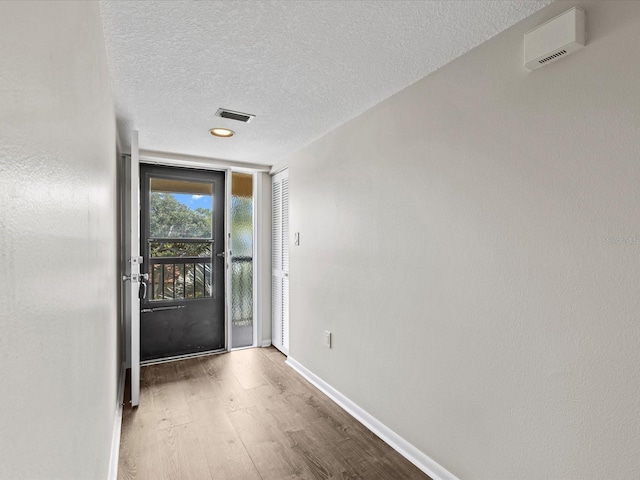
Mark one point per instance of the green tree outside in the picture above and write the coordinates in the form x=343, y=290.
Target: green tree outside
x=170, y=218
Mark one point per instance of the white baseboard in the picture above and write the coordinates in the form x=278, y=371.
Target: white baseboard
x=395, y=441
x=266, y=343
x=117, y=428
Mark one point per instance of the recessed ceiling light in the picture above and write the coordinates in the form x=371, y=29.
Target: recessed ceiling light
x=221, y=132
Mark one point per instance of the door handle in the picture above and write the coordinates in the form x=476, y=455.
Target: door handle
x=143, y=284
x=221, y=254
x=138, y=277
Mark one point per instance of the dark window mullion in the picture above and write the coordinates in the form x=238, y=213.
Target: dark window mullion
x=152, y=282
x=163, y=292
x=174, y=281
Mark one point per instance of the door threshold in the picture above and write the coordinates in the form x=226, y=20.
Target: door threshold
x=234, y=349
x=175, y=358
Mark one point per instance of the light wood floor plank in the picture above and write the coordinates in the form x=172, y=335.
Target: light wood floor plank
x=244, y=365
x=225, y=453
x=181, y=454
x=168, y=395
x=139, y=448
x=246, y=415
x=196, y=385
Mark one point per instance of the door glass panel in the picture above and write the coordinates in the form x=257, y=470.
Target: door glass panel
x=178, y=279
x=180, y=208
x=179, y=249
x=189, y=280
x=242, y=259
x=178, y=275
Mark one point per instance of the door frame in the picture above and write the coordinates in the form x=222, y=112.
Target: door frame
x=202, y=163
x=219, y=265
x=130, y=267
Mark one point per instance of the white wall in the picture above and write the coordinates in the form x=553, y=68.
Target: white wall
x=473, y=244
x=58, y=342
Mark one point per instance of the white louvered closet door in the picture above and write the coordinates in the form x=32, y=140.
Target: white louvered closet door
x=280, y=261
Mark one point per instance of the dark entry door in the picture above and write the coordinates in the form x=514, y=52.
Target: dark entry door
x=182, y=242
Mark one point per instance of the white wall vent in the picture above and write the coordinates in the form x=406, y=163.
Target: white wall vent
x=555, y=39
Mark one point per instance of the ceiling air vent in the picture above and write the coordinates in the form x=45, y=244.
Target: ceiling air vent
x=231, y=115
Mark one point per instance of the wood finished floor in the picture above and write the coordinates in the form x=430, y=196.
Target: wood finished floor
x=246, y=415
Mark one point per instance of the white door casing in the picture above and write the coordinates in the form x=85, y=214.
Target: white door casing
x=227, y=259
x=135, y=260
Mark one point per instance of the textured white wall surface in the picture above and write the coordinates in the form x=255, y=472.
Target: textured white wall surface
x=473, y=244
x=58, y=321
x=302, y=67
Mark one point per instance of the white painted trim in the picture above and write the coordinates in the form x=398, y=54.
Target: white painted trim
x=274, y=172
x=227, y=260
x=119, y=149
x=266, y=343
x=117, y=428
x=177, y=358
x=395, y=441
x=255, y=294
x=135, y=270
x=248, y=347
x=179, y=160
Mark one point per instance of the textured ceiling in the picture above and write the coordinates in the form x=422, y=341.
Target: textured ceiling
x=302, y=67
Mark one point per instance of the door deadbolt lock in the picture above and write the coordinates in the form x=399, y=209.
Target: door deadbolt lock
x=136, y=260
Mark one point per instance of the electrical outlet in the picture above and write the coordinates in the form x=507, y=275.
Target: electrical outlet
x=327, y=338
